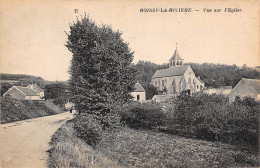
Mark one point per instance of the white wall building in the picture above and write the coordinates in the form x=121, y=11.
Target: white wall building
x=22, y=93
x=138, y=93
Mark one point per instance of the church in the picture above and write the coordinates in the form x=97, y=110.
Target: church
x=177, y=78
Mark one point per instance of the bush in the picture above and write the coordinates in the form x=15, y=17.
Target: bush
x=60, y=101
x=212, y=117
x=89, y=128
x=146, y=115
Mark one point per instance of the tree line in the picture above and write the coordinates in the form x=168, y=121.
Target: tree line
x=214, y=75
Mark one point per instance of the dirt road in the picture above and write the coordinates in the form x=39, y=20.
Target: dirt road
x=24, y=144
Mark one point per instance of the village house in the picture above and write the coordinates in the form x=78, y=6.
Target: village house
x=37, y=89
x=225, y=90
x=163, y=98
x=138, y=93
x=245, y=88
x=177, y=78
x=25, y=93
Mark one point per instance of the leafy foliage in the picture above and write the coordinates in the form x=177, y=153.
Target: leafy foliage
x=5, y=86
x=24, y=80
x=212, y=117
x=57, y=92
x=101, y=77
x=100, y=68
x=89, y=128
x=150, y=91
x=200, y=116
x=216, y=75
x=145, y=71
x=143, y=115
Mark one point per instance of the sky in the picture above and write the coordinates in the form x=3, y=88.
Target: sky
x=33, y=32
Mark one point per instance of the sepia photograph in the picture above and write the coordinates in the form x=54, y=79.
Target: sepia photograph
x=129, y=84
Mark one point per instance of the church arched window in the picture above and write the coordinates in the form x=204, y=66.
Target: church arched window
x=177, y=62
x=173, y=86
x=173, y=62
x=181, y=63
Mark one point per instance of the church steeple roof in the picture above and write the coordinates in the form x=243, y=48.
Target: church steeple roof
x=176, y=55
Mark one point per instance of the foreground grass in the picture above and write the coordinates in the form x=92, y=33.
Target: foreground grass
x=67, y=150
x=151, y=149
x=135, y=148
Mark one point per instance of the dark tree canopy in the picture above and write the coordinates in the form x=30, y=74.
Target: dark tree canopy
x=22, y=79
x=58, y=92
x=145, y=70
x=100, y=70
x=216, y=75
x=150, y=91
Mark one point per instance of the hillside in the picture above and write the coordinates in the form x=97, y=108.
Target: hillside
x=21, y=79
x=14, y=110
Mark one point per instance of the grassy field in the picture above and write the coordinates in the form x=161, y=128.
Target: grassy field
x=15, y=110
x=135, y=148
x=151, y=149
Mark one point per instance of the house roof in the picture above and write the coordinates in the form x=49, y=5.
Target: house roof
x=254, y=83
x=35, y=87
x=172, y=71
x=176, y=56
x=202, y=81
x=221, y=87
x=27, y=91
x=138, y=88
x=163, y=98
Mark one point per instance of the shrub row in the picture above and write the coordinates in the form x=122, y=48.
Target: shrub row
x=201, y=116
x=212, y=117
x=143, y=115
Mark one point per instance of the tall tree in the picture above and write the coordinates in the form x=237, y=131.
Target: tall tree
x=100, y=70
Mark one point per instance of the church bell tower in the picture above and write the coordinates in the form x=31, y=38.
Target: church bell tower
x=176, y=60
